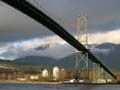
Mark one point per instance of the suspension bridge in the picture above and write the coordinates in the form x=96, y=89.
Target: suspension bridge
x=38, y=15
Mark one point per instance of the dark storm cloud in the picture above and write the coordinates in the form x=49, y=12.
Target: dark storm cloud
x=103, y=15
x=16, y=26
x=99, y=12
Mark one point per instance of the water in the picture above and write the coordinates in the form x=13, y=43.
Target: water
x=13, y=86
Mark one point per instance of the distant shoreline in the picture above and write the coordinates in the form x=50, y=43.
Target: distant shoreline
x=38, y=82
x=28, y=82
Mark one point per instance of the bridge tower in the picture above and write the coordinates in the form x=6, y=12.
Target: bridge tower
x=82, y=61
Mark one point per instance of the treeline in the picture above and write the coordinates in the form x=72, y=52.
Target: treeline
x=34, y=72
x=29, y=73
x=26, y=69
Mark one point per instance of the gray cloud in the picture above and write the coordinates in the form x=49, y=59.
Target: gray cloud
x=28, y=47
x=99, y=12
x=103, y=15
x=15, y=27
x=97, y=50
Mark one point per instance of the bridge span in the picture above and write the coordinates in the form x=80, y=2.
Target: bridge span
x=39, y=16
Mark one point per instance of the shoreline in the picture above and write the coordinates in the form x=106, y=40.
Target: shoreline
x=52, y=83
x=29, y=82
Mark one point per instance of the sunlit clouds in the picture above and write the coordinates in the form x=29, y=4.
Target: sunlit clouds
x=110, y=36
x=58, y=48
x=18, y=49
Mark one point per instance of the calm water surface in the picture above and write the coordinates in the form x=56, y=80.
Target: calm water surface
x=13, y=86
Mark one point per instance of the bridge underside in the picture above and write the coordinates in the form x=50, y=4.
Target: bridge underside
x=36, y=14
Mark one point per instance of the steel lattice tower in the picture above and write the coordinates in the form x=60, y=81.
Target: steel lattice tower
x=82, y=36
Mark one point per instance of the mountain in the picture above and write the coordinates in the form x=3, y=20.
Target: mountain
x=36, y=60
x=47, y=61
x=112, y=59
x=107, y=53
x=67, y=62
x=6, y=61
x=106, y=45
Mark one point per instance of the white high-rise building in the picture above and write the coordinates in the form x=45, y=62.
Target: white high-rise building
x=45, y=73
x=56, y=72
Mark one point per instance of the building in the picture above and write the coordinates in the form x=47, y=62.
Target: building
x=62, y=74
x=45, y=73
x=34, y=77
x=56, y=72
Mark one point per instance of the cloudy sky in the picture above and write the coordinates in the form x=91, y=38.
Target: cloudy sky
x=19, y=34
